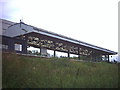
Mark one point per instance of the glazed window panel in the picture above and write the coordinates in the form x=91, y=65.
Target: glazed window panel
x=18, y=47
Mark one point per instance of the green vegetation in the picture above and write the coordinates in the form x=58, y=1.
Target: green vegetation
x=32, y=72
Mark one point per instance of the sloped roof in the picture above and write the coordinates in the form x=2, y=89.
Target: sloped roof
x=58, y=36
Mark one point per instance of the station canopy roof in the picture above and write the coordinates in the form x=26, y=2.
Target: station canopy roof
x=22, y=28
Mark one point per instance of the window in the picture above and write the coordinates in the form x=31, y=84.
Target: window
x=18, y=47
x=3, y=46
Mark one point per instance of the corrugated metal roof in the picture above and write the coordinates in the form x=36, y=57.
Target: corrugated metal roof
x=52, y=34
x=62, y=37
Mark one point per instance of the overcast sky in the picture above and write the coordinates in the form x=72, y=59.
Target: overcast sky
x=91, y=21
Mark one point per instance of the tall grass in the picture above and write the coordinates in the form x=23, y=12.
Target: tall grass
x=30, y=72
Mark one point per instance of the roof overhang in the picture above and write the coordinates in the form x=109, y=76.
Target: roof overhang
x=28, y=29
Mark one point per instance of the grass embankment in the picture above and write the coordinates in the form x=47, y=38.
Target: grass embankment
x=30, y=72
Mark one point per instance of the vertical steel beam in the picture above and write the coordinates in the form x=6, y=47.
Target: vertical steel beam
x=105, y=57
x=68, y=53
x=79, y=57
x=26, y=44
x=78, y=53
x=108, y=58
x=40, y=50
x=24, y=47
x=100, y=57
x=54, y=49
x=68, y=48
x=54, y=53
x=40, y=46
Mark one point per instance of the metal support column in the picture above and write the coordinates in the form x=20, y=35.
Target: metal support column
x=105, y=57
x=40, y=45
x=101, y=57
x=78, y=53
x=24, y=47
x=68, y=53
x=108, y=58
x=40, y=50
x=79, y=57
x=54, y=49
x=54, y=53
